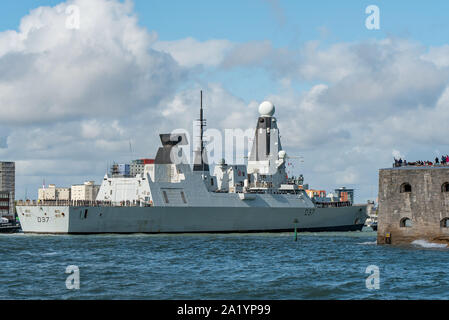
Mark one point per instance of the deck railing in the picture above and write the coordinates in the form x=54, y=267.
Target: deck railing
x=335, y=204
x=81, y=203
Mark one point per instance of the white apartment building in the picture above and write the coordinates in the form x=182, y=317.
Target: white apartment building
x=85, y=192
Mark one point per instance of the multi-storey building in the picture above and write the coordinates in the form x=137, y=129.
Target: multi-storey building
x=51, y=193
x=7, y=189
x=85, y=192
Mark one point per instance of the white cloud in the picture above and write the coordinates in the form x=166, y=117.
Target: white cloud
x=438, y=55
x=106, y=69
x=190, y=52
x=252, y=54
x=66, y=95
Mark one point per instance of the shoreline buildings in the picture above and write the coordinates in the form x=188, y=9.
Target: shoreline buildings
x=7, y=189
x=82, y=192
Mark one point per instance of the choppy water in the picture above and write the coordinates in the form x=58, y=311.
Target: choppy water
x=236, y=266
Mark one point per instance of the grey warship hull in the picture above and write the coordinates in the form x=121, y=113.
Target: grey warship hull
x=96, y=220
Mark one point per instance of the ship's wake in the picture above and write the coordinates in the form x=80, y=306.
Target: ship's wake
x=427, y=244
x=370, y=243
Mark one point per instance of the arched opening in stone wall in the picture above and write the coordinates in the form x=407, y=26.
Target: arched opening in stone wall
x=445, y=187
x=444, y=223
x=406, y=188
x=405, y=223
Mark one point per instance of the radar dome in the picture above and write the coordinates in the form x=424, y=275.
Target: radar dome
x=266, y=109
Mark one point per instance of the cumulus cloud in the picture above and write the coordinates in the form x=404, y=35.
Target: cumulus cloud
x=190, y=52
x=438, y=55
x=67, y=94
x=251, y=54
x=106, y=68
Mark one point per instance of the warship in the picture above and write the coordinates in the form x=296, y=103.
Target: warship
x=171, y=196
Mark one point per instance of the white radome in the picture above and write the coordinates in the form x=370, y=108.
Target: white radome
x=267, y=109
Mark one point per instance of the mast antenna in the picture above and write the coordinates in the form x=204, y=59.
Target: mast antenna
x=202, y=125
x=200, y=164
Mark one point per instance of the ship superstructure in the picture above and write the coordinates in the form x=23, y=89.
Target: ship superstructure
x=170, y=196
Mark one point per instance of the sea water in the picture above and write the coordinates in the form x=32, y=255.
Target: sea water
x=344, y=265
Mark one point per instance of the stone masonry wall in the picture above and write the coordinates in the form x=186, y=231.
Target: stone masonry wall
x=426, y=205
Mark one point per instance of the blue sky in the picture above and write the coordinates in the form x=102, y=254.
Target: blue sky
x=351, y=99
x=250, y=20
x=295, y=22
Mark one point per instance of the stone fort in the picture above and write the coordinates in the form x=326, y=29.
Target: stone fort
x=413, y=204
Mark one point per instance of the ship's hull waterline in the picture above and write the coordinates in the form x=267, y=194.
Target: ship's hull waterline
x=97, y=220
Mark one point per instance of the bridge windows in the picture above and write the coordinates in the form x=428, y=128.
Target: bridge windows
x=406, y=188
x=405, y=223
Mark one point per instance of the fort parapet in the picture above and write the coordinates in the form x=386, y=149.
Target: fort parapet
x=413, y=204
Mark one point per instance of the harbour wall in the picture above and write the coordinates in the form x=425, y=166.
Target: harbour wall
x=413, y=204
